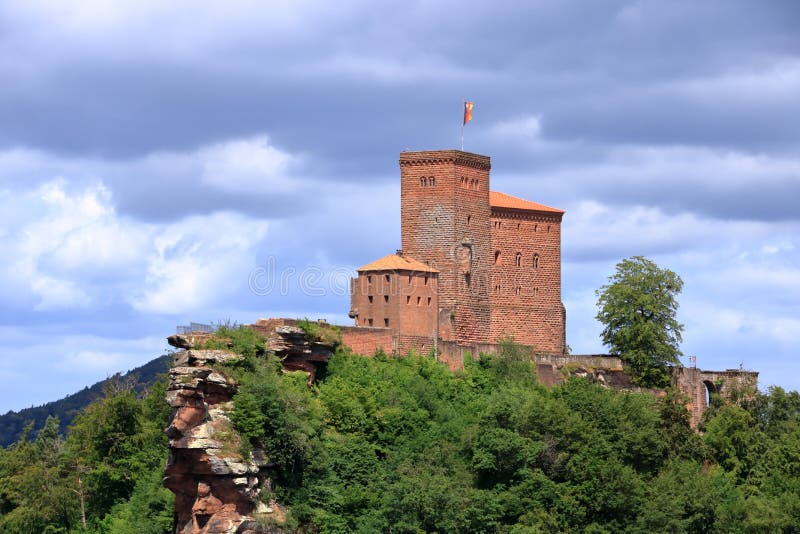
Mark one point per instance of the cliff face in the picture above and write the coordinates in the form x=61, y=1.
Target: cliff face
x=216, y=489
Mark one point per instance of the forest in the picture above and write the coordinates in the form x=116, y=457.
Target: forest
x=404, y=445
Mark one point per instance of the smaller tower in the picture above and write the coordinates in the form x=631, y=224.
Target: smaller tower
x=401, y=294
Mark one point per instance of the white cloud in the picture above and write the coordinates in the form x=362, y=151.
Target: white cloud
x=57, y=230
x=248, y=166
x=196, y=261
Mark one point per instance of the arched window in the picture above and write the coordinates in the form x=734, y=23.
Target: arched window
x=433, y=181
x=422, y=182
x=497, y=257
x=535, y=261
x=518, y=291
x=519, y=259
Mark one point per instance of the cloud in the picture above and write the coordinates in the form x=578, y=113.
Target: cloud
x=248, y=166
x=197, y=261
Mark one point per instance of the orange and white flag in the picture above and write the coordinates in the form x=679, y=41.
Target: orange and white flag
x=467, y=112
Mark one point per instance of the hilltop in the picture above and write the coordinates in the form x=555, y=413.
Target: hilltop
x=12, y=423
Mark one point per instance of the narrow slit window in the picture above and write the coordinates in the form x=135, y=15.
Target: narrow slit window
x=497, y=257
x=519, y=259
x=419, y=299
x=369, y=322
x=429, y=301
x=386, y=299
x=535, y=261
x=386, y=321
x=408, y=299
x=370, y=299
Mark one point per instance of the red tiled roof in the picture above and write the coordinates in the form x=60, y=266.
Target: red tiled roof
x=393, y=262
x=501, y=200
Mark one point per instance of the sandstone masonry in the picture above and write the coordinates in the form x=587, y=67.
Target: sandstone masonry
x=475, y=266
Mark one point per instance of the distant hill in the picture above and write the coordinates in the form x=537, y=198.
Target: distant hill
x=12, y=423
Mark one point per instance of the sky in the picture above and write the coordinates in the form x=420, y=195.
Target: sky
x=164, y=162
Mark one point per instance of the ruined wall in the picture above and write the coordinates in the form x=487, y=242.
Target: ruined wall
x=444, y=209
x=525, y=281
x=699, y=385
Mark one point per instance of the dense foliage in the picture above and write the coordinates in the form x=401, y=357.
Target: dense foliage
x=105, y=477
x=404, y=445
x=637, y=309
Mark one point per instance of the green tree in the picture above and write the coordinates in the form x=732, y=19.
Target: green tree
x=637, y=309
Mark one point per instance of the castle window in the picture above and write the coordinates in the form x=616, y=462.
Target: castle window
x=518, y=291
x=535, y=291
x=497, y=257
x=469, y=218
x=408, y=299
x=433, y=181
x=369, y=322
x=369, y=279
x=386, y=299
x=419, y=299
x=388, y=278
x=519, y=259
x=517, y=226
x=535, y=261
x=497, y=289
x=370, y=299
x=426, y=279
x=409, y=278
x=386, y=321
x=535, y=227
x=429, y=301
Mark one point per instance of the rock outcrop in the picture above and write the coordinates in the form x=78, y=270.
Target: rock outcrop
x=217, y=490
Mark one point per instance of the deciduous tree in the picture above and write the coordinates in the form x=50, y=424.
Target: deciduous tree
x=638, y=311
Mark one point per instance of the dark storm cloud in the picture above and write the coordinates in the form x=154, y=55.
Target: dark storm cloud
x=351, y=91
x=536, y=50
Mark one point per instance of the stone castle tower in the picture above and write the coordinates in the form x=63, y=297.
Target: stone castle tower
x=495, y=261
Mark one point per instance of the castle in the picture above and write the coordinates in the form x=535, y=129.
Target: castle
x=475, y=266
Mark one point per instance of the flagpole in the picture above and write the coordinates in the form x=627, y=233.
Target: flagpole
x=462, y=128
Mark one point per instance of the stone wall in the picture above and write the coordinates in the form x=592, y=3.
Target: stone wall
x=444, y=209
x=698, y=385
x=367, y=341
x=525, y=282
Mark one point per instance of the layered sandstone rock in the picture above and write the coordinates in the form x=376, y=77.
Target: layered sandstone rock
x=217, y=490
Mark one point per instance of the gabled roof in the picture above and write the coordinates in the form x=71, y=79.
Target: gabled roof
x=393, y=262
x=501, y=200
